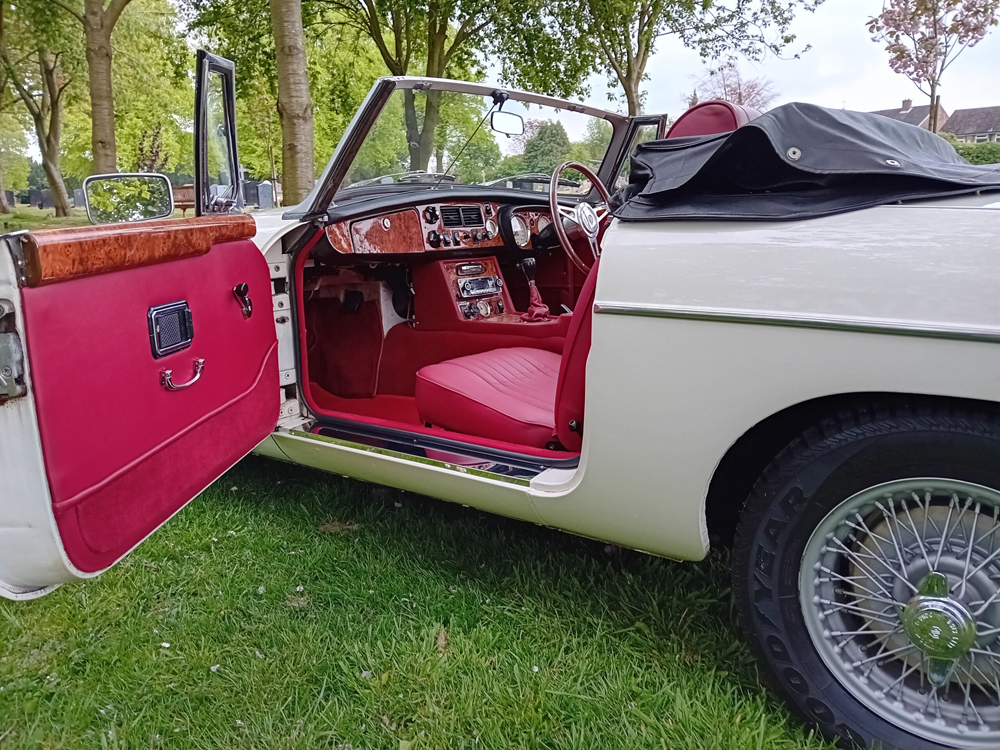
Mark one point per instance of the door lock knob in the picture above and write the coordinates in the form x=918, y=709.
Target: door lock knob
x=242, y=294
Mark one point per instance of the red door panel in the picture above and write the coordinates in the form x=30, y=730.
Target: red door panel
x=123, y=453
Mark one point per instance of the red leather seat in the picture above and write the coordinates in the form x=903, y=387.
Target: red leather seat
x=517, y=395
x=505, y=394
x=709, y=118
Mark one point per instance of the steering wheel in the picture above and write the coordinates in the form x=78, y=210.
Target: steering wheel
x=587, y=217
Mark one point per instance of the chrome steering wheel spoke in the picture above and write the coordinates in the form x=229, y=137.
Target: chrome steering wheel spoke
x=587, y=218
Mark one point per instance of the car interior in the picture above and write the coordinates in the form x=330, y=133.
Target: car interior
x=467, y=319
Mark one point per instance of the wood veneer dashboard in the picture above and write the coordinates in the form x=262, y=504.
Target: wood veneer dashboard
x=428, y=227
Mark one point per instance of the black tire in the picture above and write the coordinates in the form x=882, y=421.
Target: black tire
x=817, y=472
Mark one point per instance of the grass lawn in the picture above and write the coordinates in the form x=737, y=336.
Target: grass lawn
x=290, y=608
x=29, y=217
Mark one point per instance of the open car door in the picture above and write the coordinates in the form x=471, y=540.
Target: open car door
x=138, y=362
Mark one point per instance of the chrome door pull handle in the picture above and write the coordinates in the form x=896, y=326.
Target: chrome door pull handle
x=167, y=381
x=242, y=294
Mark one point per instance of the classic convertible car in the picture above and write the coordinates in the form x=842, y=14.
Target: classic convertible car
x=780, y=333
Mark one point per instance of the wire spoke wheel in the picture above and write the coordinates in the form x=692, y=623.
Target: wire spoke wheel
x=900, y=590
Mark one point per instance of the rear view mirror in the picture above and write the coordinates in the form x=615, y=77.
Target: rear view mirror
x=507, y=123
x=117, y=198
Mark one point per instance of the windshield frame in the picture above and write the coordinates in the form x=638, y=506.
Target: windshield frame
x=321, y=198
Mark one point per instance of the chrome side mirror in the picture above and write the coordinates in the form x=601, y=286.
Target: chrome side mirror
x=507, y=123
x=117, y=198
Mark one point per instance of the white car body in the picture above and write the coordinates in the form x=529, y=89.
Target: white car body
x=726, y=327
x=778, y=374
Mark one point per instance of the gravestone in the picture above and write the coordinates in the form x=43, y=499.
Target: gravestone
x=47, y=199
x=250, y=193
x=79, y=200
x=265, y=195
x=9, y=195
x=34, y=197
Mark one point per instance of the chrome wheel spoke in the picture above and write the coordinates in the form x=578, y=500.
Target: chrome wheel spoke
x=901, y=592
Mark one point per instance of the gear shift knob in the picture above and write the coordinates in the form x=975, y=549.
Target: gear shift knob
x=528, y=267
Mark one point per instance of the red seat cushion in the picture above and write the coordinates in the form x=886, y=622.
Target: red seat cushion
x=504, y=394
x=709, y=118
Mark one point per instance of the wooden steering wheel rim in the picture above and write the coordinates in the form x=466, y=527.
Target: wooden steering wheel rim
x=560, y=212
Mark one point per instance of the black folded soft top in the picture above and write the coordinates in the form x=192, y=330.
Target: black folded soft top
x=798, y=161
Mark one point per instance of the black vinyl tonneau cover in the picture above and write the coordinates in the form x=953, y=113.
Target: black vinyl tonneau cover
x=798, y=161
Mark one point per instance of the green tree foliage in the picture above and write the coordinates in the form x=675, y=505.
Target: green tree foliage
x=98, y=21
x=979, y=153
x=547, y=149
x=342, y=68
x=594, y=146
x=41, y=56
x=125, y=198
x=619, y=36
x=462, y=119
x=439, y=38
x=154, y=96
x=14, y=163
x=36, y=176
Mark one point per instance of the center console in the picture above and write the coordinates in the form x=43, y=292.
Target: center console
x=478, y=288
x=462, y=294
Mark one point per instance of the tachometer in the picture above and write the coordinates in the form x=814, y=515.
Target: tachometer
x=521, y=230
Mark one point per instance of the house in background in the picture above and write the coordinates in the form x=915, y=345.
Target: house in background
x=918, y=115
x=979, y=125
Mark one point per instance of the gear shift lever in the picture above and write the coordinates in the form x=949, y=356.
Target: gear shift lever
x=528, y=267
x=537, y=309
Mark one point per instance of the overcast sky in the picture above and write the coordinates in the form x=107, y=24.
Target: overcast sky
x=844, y=68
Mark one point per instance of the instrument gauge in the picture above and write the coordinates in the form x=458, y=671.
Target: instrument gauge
x=521, y=230
x=543, y=221
x=491, y=228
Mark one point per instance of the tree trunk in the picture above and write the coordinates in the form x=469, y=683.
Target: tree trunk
x=4, y=208
x=53, y=173
x=932, y=113
x=432, y=114
x=295, y=108
x=632, y=97
x=412, y=128
x=97, y=32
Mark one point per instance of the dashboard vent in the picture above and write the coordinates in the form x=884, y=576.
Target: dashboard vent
x=472, y=216
x=461, y=216
x=451, y=216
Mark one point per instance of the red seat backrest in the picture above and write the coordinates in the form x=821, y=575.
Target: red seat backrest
x=571, y=386
x=709, y=118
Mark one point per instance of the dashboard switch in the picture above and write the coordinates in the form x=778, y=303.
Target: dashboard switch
x=431, y=215
x=433, y=239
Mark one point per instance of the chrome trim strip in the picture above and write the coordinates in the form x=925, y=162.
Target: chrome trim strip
x=410, y=457
x=831, y=323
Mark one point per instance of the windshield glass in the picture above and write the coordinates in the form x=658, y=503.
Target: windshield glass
x=420, y=135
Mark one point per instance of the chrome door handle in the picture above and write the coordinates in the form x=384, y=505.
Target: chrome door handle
x=167, y=381
x=242, y=294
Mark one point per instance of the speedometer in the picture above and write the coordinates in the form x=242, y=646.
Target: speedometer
x=521, y=230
